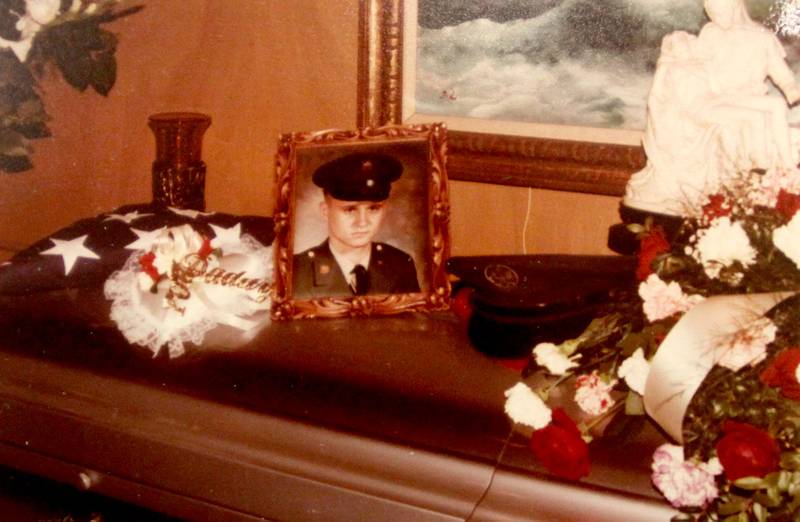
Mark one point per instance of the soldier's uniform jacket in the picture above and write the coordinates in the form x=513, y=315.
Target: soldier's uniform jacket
x=317, y=274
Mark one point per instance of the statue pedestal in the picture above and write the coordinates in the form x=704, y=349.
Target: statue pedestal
x=623, y=241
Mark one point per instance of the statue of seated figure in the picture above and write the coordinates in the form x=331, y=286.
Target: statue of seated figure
x=709, y=114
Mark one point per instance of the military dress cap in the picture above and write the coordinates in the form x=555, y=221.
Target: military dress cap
x=358, y=177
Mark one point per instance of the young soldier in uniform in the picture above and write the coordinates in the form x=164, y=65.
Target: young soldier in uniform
x=356, y=191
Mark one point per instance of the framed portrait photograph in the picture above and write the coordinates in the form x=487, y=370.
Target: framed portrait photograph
x=548, y=94
x=361, y=222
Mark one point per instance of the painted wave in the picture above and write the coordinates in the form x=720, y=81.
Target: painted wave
x=570, y=62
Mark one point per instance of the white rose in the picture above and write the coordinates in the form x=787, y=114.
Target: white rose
x=551, y=357
x=174, y=244
x=525, y=407
x=787, y=239
x=634, y=370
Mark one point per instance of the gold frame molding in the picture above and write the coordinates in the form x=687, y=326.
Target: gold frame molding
x=555, y=164
x=437, y=297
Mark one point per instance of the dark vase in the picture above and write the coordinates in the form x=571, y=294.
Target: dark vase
x=179, y=174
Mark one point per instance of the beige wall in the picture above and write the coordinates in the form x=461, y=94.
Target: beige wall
x=259, y=68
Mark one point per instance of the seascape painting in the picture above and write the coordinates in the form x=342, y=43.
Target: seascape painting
x=585, y=63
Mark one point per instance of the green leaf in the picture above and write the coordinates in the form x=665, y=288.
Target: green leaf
x=83, y=52
x=760, y=512
x=731, y=508
x=768, y=499
x=13, y=164
x=634, y=405
x=790, y=460
x=749, y=483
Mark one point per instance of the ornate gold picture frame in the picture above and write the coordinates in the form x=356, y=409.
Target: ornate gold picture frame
x=499, y=158
x=311, y=276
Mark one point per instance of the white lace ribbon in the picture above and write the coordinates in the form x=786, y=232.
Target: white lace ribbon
x=214, y=314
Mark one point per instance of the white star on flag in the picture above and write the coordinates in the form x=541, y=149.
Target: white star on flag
x=70, y=250
x=225, y=236
x=189, y=212
x=144, y=239
x=128, y=218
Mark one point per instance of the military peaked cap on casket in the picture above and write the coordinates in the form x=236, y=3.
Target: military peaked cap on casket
x=359, y=177
x=522, y=300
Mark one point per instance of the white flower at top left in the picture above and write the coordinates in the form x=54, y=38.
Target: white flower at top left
x=38, y=13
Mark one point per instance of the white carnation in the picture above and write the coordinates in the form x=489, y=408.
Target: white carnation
x=787, y=239
x=661, y=299
x=721, y=245
x=634, y=370
x=551, y=357
x=525, y=407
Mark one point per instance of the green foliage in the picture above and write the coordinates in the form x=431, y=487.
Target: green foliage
x=84, y=53
x=80, y=49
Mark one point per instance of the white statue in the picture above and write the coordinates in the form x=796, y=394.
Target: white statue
x=709, y=115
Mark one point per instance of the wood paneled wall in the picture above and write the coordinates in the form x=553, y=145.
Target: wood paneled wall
x=259, y=68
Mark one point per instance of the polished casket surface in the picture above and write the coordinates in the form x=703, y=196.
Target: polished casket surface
x=391, y=418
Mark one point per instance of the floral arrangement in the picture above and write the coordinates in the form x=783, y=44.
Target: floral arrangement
x=179, y=286
x=739, y=433
x=35, y=34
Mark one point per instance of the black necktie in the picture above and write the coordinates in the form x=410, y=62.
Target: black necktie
x=362, y=280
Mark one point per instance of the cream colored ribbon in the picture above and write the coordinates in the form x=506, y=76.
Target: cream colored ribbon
x=689, y=352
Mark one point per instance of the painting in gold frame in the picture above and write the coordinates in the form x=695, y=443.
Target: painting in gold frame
x=492, y=154
x=414, y=224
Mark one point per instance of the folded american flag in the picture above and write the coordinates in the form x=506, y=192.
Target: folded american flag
x=88, y=251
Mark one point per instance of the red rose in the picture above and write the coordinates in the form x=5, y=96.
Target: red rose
x=782, y=373
x=788, y=204
x=560, y=448
x=717, y=206
x=746, y=451
x=651, y=246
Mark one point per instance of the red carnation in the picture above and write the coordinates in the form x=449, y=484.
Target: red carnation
x=746, y=451
x=782, y=373
x=651, y=246
x=788, y=204
x=560, y=448
x=716, y=207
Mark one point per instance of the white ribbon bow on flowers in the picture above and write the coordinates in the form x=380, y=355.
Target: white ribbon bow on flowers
x=692, y=348
x=186, y=290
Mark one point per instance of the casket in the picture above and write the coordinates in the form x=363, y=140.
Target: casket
x=392, y=418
